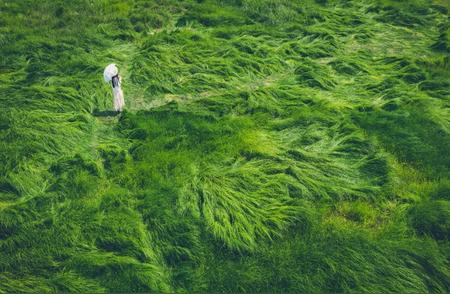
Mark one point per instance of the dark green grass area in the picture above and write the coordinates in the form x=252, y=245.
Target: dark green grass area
x=267, y=146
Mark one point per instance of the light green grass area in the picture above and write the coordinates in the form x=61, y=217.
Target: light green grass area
x=267, y=146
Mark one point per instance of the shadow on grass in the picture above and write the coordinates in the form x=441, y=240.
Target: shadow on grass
x=104, y=113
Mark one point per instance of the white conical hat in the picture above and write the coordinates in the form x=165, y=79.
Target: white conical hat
x=110, y=71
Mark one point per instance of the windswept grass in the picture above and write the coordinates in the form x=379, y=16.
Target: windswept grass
x=267, y=146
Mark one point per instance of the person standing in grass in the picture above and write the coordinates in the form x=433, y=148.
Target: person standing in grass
x=111, y=74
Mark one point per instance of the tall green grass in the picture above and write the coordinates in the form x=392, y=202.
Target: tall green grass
x=267, y=146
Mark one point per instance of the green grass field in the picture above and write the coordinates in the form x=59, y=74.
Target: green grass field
x=270, y=146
